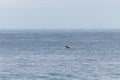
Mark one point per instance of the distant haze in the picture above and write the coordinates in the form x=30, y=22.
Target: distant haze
x=59, y=14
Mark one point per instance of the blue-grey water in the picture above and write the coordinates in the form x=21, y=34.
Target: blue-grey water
x=41, y=55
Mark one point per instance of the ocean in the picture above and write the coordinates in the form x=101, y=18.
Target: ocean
x=41, y=55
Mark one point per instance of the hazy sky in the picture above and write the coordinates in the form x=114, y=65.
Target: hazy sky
x=59, y=14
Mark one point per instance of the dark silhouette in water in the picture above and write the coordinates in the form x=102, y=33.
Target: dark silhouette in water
x=68, y=46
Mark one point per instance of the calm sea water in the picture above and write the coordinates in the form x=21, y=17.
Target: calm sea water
x=41, y=55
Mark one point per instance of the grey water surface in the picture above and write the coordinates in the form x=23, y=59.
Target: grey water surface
x=41, y=55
